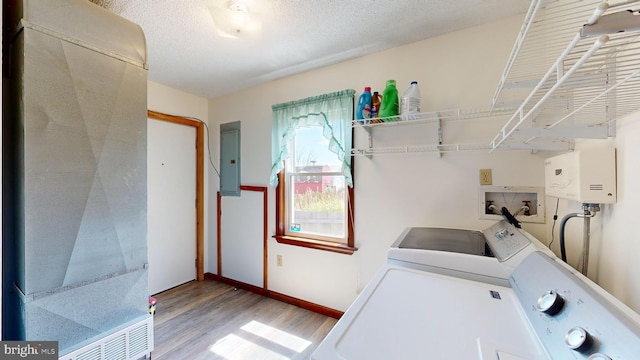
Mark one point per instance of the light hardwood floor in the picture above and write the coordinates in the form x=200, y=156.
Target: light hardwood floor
x=212, y=320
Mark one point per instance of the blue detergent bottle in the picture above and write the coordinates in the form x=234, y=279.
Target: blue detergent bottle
x=363, y=109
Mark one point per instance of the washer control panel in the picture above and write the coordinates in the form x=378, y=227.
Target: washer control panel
x=572, y=319
x=505, y=240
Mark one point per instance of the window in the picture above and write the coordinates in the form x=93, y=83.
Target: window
x=314, y=200
x=314, y=203
x=315, y=189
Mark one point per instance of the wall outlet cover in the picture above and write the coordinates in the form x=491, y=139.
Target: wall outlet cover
x=485, y=177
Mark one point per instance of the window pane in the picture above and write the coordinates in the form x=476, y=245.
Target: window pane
x=312, y=149
x=318, y=205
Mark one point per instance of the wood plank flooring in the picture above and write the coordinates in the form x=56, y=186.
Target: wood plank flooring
x=211, y=320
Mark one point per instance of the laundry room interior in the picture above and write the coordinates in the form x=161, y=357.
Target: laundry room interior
x=517, y=115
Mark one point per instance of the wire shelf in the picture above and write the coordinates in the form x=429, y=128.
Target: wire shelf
x=440, y=117
x=574, y=69
x=580, y=90
x=415, y=149
x=431, y=117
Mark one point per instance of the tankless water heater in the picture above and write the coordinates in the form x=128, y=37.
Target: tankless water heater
x=586, y=176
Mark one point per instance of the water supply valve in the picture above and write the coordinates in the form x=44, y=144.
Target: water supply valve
x=526, y=207
x=490, y=209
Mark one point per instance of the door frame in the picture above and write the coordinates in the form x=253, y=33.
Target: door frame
x=199, y=125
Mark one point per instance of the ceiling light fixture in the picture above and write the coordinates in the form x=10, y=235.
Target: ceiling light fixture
x=239, y=15
x=234, y=20
x=238, y=6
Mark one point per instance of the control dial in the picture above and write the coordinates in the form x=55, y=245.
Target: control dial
x=598, y=356
x=578, y=339
x=550, y=303
x=502, y=233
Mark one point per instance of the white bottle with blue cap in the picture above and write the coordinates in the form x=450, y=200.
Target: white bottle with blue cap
x=410, y=102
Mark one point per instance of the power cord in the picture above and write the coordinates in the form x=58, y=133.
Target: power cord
x=208, y=142
x=555, y=217
x=208, y=147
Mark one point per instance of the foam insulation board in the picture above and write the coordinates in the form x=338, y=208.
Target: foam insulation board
x=75, y=132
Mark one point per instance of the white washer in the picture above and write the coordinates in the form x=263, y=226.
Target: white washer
x=489, y=255
x=547, y=310
x=411, y=314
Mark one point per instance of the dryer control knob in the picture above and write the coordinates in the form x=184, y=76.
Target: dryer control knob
x=550, y=303
x=598, y=356
x=578, y=339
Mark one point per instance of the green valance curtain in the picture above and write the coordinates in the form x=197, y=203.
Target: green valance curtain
x=333, y=111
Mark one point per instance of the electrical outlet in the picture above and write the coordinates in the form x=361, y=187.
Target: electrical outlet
x=279, y=260
x=485, y=177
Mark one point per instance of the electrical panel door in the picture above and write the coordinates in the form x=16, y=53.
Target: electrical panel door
x=230, y=159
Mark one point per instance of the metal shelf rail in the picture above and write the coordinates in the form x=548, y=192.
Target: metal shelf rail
x=436, y=117
x=551, y=93
x=593, y=81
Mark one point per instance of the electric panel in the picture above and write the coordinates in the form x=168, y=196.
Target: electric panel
x=230, y=159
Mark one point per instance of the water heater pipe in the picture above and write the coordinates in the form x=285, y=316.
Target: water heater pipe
x=589, y=211
x=563, y=223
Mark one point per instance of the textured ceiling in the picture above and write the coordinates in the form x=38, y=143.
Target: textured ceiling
x=187, y=52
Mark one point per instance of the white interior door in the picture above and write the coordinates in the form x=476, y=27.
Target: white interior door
x=171, y=187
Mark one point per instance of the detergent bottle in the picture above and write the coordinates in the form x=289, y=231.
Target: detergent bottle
x=389, y=106
x=376, y=99
x=410, y=102
x=363, y=109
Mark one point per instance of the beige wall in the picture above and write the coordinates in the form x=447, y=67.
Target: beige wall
x=615, y=249
x=458, y=70
x=170, y=101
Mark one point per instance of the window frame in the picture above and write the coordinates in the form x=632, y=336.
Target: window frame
x=282, y=237
x=288, y=215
